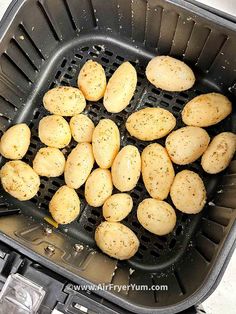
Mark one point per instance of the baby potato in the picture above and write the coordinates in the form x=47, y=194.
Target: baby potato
x=79, y=164
x=120, y=88
x=19, y=180
x=149, y=124
x=170, y=74
x=117, y=207
x=188, y=192
x=156, y=216
x=116, y=240
x=219, y=153
x=187, y=144
x=81, y=128
x=205, y=110
x=92, y=80
x=157, y=171
x=64, y=101
x=64, y=205
x=106, y=143
x=49, y=162
x=126, y=168
x=98, y=187
x=54, y=131
x=15, y=141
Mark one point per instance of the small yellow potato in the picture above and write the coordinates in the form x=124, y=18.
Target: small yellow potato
x=54, y=131
x=82, y=128
x=19, y=180
x=187, y=144
x=49, y=162
x=15, y=141
x=117, y=207
x=92, y=80
x=64, y=205
x=64, y=101
x=116, y=240
x=120, y=88
x=188, y=192
x=219, y=153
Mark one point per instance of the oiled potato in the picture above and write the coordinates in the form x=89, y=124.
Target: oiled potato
x=49, y=162
x=156, y=216
x=187, y=144
x=19, y=180
x=82, y=128
x=64, y=205
x=98, y=187
x=126, y=168
x=169, y=74
x=106, y=143
x=157, y=171
x=149, y=124
x=120, y=88
x=54, y=131
x=64, y=101
x=92, y=80
x=15, y=141
x=219, y=153
x=116, y=240
x=188, y=192
x=117, y=207
x=79, y=164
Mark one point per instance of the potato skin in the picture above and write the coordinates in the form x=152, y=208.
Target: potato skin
x=92, y=80
x=49, y=162
x=219, y=153
x=82, y=128
x=117, y=207
x=15, y=141
x=116, y=240
x=120, y=88
x=79, y=164
x=156, y=216
x=170, y=74
x=126, y=168
x=149, y=124
x=98, y=187
x=188, y=192
x=187, y=144
x=19, y=180
x=64, y=205
x=106, y=143
x=54, y=131
x=157, y=171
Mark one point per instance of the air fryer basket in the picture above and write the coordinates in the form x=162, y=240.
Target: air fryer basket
x=44, y=43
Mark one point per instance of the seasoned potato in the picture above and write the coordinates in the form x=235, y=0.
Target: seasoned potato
x=126, y=168
x=64, y=101
x=19, y=180
x=157, y=171
x=187, y=144
x=117, y=207
x=49, y=162
x=149, y=124
x=116, y=240
x=82, y=128
x=219, y=153
x=120, y=88
x=92, y=80
x=15, y=141
x=106, y=143
x=98, y=187
x=64, y=205
x=169, y=74
x=188, y=192
x=54, y=131
x=156, y=216
x=79, y=164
